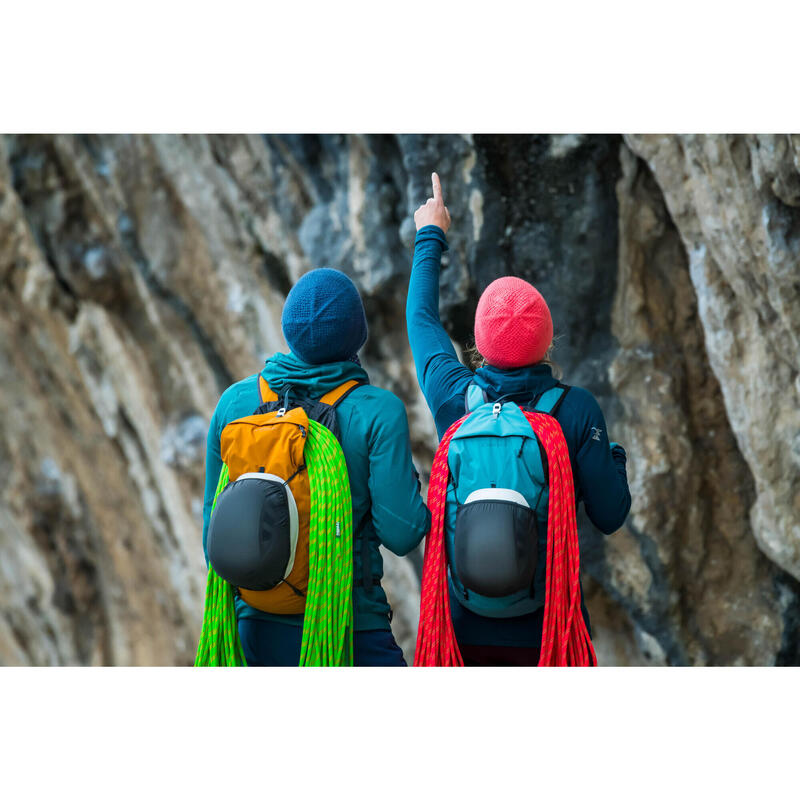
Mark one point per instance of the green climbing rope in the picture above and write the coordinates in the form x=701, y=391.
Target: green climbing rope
x=328, y=623
x=219, y=644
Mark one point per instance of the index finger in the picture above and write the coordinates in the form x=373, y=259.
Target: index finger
x=437, y=188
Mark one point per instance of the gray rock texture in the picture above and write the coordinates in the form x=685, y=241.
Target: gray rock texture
x=139, y=276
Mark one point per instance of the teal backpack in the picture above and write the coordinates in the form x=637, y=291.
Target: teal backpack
x=496, y=506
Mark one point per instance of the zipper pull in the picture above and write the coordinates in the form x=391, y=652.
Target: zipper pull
x=496, y=409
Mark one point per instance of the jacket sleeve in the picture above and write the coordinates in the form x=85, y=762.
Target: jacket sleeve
x=213, y=468
x=601, y=473
x=442, y=377
x=399, y=515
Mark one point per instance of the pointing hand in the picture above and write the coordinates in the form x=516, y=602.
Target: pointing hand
x=434, y=212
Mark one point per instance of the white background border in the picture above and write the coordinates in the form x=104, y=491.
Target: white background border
x=398, y=67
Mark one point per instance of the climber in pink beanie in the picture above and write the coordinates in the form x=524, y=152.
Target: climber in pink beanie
x=513, y=327
x=496, y=580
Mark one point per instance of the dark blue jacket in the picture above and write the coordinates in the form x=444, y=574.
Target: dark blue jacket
x=384, y=485
x=599, y=474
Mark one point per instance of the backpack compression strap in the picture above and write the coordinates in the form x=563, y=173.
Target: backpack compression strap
x=565, y=640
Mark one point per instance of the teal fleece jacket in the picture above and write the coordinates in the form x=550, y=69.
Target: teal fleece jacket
x=384, y=484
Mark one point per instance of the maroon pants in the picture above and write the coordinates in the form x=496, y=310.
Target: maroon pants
x=476, y=655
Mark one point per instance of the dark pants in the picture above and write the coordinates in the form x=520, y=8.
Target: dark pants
x=273, y=644
x=476, y=655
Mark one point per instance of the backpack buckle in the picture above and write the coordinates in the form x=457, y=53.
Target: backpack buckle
x=496, y=409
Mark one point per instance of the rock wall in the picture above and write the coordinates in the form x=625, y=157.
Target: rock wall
x=141, y=275
x=736, y=204
x=689, y=571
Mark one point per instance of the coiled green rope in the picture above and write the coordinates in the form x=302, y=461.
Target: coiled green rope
x=328, y=622
x=219, y=644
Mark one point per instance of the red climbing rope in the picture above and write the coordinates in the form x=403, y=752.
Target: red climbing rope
x=436, y=641
x=565, y=640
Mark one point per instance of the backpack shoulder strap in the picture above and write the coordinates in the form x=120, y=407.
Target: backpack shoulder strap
x=332, y=398
x=335, y=396
x=474, y=397
x=267, y=395
x=549, y=402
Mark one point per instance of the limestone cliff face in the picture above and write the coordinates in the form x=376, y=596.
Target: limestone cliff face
x=736, y=204
x=688, y=570
x=142, y=275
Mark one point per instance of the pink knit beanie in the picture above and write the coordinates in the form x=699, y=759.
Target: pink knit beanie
x=513, y=327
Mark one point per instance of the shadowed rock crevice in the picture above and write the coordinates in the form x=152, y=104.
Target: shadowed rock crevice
x=788, y=590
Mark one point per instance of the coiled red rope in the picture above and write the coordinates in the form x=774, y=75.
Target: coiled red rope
x=436, y=641
x=565, y=639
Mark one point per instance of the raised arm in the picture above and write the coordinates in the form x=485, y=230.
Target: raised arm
x=442, y=377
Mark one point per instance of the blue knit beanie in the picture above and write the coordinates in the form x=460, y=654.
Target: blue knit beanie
x=323, y=317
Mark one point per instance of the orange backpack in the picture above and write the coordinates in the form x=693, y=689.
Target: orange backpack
x=270, y=569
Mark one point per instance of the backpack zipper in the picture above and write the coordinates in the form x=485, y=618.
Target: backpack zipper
x=303, y=431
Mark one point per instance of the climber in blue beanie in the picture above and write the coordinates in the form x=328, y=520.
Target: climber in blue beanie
x=325, y=326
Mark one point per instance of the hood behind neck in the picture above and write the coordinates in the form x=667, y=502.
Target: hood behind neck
x=519, y=381
x=286, y=369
